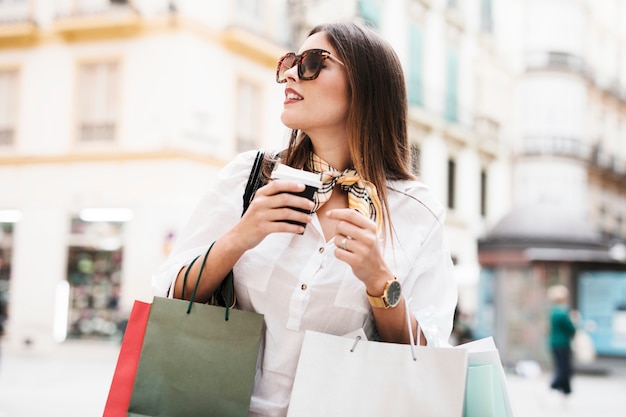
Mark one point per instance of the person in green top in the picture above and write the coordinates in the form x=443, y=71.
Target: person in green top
x=562, y=332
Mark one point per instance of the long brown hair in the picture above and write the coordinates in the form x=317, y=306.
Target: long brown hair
x=377, y=117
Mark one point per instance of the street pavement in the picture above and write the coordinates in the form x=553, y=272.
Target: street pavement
x=73, y=381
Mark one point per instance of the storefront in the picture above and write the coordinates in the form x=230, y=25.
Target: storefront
x=6, y=250
x=94, y=272
x=85, y=246
x=526, y=253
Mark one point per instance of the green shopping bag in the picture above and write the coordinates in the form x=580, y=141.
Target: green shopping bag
x=196, y=360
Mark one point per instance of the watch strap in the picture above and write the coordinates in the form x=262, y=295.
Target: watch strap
x=377, y=302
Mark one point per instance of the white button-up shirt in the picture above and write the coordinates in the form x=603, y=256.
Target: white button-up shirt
x=298, y=284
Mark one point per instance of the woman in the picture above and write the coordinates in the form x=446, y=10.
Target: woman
x=562, y=331
x=367, y=250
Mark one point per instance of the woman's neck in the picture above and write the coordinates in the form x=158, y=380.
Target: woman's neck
x=334, y=151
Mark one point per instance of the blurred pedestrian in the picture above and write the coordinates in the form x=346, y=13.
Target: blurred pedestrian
x=562, y=330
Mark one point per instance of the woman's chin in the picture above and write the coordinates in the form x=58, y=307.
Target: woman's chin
x=289, y=121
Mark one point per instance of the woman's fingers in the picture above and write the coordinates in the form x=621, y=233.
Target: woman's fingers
x=276, y=208
x=358, y=229
x=357, y=244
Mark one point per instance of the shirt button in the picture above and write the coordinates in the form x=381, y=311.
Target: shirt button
x=303, y=287
x=321, y=249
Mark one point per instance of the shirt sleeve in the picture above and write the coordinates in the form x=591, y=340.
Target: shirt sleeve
x=219, y=210
x=566, y=324
x=429, y=286
x=434, y=295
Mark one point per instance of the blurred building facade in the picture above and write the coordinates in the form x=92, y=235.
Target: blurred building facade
x=566, y=224
x=134, y=106
x=115, y=116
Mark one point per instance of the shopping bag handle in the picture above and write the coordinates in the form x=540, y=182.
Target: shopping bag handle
x=411, y=339
x=229, y=283
x=182, y=295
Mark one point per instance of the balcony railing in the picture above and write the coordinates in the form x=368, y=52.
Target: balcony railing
x=96, y=132
x=576, y=148
x=607, y=161
x=90, y=7
x=11, y=13
x=563, y=61
x=555, y=145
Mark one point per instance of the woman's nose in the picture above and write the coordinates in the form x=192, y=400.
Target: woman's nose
x=292, y=73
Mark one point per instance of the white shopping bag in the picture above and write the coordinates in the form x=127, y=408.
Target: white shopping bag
x=340, y=376
x=486, y=392
x=583, y=347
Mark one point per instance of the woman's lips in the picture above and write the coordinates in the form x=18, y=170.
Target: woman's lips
x=292, y=95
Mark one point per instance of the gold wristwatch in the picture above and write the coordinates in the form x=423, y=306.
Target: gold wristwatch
x=390, y=297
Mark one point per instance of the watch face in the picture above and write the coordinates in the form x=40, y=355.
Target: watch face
x=393, y=293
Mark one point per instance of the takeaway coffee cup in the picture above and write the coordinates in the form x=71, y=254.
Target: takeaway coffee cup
x=311, y=181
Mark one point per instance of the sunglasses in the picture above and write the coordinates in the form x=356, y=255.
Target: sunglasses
x=309, y=64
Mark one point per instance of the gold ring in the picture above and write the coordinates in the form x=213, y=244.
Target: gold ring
x=343, y=243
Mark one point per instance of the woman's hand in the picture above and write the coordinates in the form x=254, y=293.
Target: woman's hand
x=356, y=239
x=273, y=205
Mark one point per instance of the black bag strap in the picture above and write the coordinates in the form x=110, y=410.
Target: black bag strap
x=254, y=181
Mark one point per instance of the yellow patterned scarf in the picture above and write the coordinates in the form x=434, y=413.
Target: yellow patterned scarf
x=362, y=195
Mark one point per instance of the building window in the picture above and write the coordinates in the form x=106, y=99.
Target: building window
x=8, y=105
x=483, y=192
x=250, y=8
x=248, y=118
x=14, y=11
x=415, y=158
x=486, y=16
x=452, y=86
x=416, y=67
x=451, y=183
x=369, y=11
x=97, y=102
x=248, y=14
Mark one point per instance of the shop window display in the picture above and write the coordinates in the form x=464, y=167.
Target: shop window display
x=602, y=306
x=94, y=275
x=6, y=245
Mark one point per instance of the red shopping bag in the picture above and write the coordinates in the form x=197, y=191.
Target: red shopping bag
x=126, y=368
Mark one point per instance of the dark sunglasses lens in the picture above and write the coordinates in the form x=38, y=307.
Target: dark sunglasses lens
x=310, y=66
x=285, y=64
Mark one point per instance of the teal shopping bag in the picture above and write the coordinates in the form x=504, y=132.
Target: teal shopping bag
x=486, y=393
